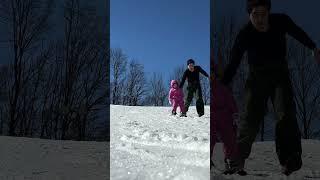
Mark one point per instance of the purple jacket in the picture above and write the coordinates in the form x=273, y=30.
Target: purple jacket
x=223, y=99
x=175, y=94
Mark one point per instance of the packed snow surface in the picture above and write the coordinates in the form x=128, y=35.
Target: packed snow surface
x=148, y=143
x=40, y=159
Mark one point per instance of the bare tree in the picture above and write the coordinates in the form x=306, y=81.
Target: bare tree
x=27, y=23
x=135, y=84
x=177, y=73
x=118, y=71
x=205, y=90
x=157, y=90
x=83, y=75
x=49, y=112
x=305, y=81
x=3, y=96
x=31, y=94
x=55, y=89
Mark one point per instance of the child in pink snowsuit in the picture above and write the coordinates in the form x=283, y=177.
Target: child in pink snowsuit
x=176, y=98
x=222, y=120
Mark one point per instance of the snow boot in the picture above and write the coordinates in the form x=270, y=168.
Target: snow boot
x=173, y=113
x=211, y=164
x=234, y=166
x=294, y=163
x=230, y=167
x=240, y=168
x=242, y=172
x=183, y=114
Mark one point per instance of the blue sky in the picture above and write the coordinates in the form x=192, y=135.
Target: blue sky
x=162, y=34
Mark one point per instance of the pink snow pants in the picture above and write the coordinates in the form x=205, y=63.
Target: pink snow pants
x=221, y=122
x=176, y=103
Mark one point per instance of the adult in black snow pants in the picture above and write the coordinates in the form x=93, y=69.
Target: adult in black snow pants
x=194, y=87
x=264, y=40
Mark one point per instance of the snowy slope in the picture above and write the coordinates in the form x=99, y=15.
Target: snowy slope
x=39, y=159
x=147, y=143
x=263, y=163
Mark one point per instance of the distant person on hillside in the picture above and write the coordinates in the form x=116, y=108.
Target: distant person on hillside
x=194, y=87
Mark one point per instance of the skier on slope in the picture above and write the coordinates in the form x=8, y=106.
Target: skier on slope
x=194, y=87
x=264, y=40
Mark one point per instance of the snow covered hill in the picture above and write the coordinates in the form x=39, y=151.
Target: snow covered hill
x=40, y=159
x=149, y=143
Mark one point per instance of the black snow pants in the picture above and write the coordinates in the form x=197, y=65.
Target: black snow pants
x=194, y=89
x=263, y=83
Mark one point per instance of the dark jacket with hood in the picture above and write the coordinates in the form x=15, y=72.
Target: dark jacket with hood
x=193, y=77
x=265, y=48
